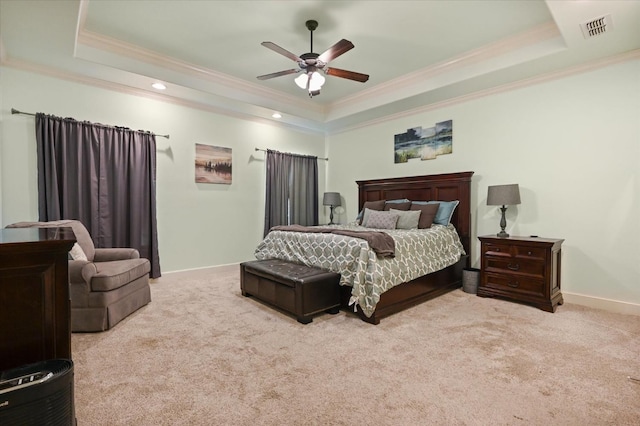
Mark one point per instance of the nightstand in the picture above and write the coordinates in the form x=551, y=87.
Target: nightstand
x=524, y=269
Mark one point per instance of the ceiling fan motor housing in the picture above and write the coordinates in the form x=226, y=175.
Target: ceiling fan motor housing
x=310, y=59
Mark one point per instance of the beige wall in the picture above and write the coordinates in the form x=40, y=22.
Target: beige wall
x=199, y=225
x=573, y=146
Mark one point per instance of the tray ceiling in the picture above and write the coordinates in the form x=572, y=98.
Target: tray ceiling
x=417, y=53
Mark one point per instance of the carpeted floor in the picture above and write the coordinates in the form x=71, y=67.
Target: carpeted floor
x=202, y=354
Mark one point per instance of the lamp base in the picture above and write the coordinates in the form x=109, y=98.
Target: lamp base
x=503, y=223
x=331, y=216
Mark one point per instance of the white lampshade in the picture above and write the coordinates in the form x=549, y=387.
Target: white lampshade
x=317, y=80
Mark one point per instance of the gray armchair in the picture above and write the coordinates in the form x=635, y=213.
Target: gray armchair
x=106, y=284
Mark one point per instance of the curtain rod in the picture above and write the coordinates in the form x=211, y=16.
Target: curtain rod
x=15, y=111
x=319, y=158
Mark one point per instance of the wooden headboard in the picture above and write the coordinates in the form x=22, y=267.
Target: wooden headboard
x=444, y=187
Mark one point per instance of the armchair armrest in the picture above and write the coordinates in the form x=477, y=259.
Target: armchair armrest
x=79, y=272
x=110, y=254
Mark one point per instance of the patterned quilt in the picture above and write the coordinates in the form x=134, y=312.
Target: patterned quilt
x=418, y=252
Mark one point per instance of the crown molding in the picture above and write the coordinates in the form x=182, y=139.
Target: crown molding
x=320, y=128
x=494, y=50
x=551, y=76
x=302, y=126
x=121, y=48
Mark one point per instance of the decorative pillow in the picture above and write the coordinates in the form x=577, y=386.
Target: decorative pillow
x=371, y=205
x=381, y=220
x=445, y=211
x=407, y=219
x=400, y=204
x=427, y=213
x=77, y=253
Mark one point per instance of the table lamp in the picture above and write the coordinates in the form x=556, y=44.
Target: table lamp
x=503, y=195
x=331, y=199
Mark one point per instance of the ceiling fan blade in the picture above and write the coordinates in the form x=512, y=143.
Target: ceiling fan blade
x=351, y=75
x=336, y=50
x=280, y=50
x=277, y=74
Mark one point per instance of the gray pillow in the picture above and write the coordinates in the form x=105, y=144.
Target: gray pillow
x=407, y=219
x=380, y=220
x=371, y=205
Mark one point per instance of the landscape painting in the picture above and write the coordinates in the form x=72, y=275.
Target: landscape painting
x=424, y=144
x=213, y=164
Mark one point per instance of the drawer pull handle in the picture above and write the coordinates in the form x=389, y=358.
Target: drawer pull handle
x=529, y=253
x=497, y=249
x=513, y=284
x=513, y=267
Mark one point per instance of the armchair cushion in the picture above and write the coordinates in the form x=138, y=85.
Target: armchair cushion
x=115, y=274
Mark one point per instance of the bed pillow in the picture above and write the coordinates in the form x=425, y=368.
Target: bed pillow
x=407, y=219
x=427, y=213
x=371, y=205
x=445, y=210
x=365, y=216
x=381, y=220
x=400, y=204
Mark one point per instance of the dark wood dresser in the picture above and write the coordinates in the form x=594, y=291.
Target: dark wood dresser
x=524, y=269
x=35, y=321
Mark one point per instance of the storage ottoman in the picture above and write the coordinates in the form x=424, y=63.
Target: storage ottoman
x=297, y=289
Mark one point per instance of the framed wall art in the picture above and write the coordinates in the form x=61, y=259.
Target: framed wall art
x=213, y=164
x=424, y=144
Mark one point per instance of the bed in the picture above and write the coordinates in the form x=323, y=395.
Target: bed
x=366, y=287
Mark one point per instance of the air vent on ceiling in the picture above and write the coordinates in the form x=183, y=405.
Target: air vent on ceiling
x=597, y=26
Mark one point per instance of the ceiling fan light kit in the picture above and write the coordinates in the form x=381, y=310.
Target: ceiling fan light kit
x=312, y=81
x=311, y=63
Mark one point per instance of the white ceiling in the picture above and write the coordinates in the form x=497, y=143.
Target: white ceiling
x=417, y=53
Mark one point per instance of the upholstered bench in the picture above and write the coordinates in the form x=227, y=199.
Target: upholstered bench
x=297, y=289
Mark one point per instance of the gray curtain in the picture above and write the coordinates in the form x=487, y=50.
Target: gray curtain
x=292, y=190
x=104, y=177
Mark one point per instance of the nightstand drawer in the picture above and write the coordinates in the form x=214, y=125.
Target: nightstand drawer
x=491, y=249
x=504, y=250
x=524, y=269
x=528, y=252
x=514, y=283
x=514, y=265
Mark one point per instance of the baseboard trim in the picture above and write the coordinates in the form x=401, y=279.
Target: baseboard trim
x=609, y=305
x=228, y=265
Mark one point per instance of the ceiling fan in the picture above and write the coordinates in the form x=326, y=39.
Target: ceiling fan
x=310, y=63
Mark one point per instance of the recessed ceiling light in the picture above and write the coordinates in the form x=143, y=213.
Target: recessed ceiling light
x=276, y=115
x=158, y=86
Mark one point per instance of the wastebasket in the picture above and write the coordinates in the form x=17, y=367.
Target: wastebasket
x=470, y=280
